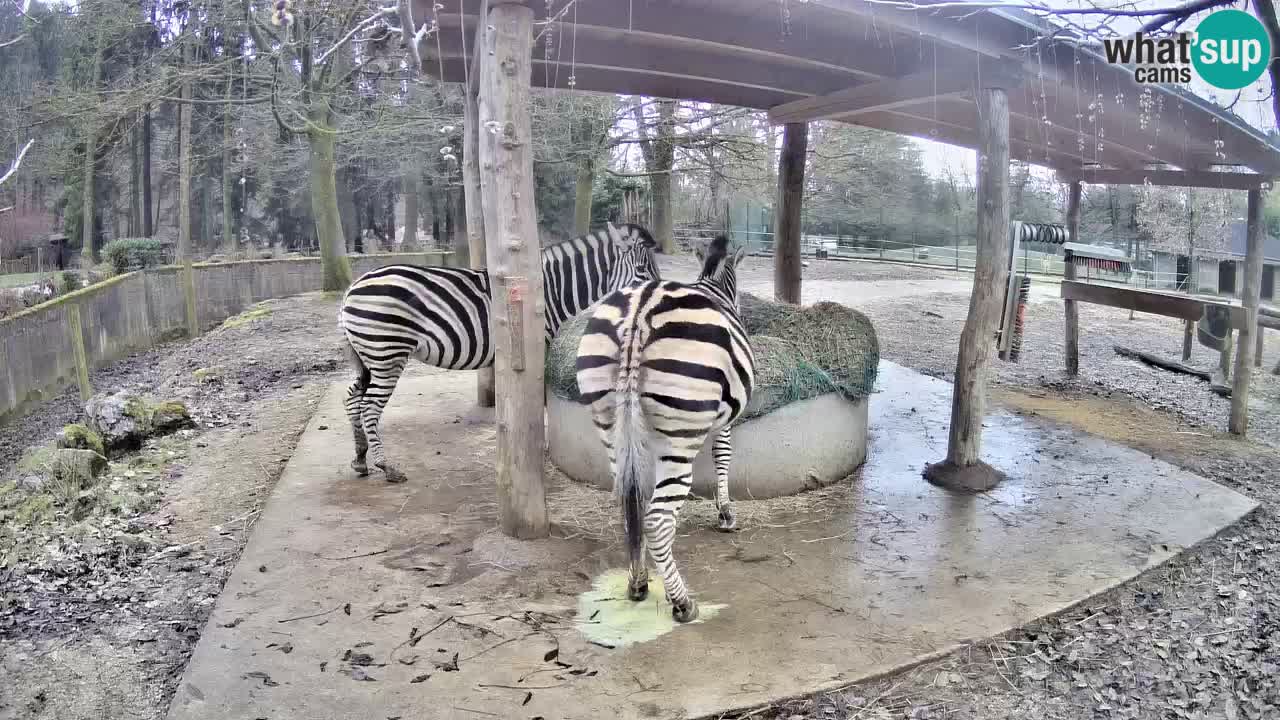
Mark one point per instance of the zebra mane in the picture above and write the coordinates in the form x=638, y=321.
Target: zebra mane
x=637, y=233
x=715, y=255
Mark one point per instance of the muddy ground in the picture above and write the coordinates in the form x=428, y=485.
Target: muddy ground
x=98, y=618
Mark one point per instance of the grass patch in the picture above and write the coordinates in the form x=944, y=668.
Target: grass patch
x=257, y=312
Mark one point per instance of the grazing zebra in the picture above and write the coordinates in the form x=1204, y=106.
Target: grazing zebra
x=440, y=316
x=664, y=365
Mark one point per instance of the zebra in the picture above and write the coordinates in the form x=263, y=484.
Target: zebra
x=440, y=316
x=665, y=365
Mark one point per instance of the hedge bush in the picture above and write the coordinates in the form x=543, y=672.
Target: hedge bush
x=128, y=254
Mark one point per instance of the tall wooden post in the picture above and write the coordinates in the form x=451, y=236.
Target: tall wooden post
x=515, y=268
x=471, y=191
x=1249, y=297
x=786, y=224
x=963, y=468
x=1069, y=307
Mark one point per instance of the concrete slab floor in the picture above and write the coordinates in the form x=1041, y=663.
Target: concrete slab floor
x=340, y=606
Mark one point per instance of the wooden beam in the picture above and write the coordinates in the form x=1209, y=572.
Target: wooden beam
x=964, y=445
x=471, y=192
x=515, y=267
x=1182, y=307
x=1070, y=310
x=897, y=92
x=1176, y=178
x=1249, y=297
x=786, y=236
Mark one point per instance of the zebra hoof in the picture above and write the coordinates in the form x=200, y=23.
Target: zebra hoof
x=728, y=521
x=687, y=613
x=392, y=475
x=638, y=591
x=361, y=468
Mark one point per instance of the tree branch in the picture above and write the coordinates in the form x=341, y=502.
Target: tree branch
x=17, y=162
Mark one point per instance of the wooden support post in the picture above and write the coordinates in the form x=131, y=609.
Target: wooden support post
x=1188, y=338
x=963, y=468
x=1249, y=297
x=76, y=331
x=515, y=267
x=786, y=224
x=472, y=196
x=1069, y=307
x=1257, y=351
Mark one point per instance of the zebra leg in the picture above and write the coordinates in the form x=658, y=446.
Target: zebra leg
x=602, y=414
x=676, y=473
x=382, y=383
x=355, y=413
x=722, y=453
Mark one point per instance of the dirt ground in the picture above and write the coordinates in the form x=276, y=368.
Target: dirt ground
x=97, y=621
x=98, y=617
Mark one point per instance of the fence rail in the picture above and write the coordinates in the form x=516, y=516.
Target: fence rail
x=955, y=257
x=49, y=347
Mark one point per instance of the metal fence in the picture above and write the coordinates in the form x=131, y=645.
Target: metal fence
x=956, y=257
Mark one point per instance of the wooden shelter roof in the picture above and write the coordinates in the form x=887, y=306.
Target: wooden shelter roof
x=907, y=71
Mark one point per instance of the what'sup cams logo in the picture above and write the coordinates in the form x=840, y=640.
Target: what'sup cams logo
x=1228, y=50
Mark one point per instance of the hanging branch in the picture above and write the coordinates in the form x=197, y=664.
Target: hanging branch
x=17, y=162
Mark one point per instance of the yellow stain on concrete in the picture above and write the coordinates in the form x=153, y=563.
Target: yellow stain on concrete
x=606, y=616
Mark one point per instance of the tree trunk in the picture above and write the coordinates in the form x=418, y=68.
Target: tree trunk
x=389, y=215
x=582, y=195
x=88, y=234
x=434, y=199
x=659, y=156
x=148, y=221
x=1250, y=299
x=1070, y=309
x=228, y=177
x=410, y=181
x=324, y=206
x=786, y=255
x=461, y=243
x=485, y=396
x=135, y=199
x=515, y=267
x=963, y=467
x=184, y=165
x=348, y=216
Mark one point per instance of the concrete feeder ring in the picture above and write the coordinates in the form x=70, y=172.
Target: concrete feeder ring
x=800, y=446
x=806, y=424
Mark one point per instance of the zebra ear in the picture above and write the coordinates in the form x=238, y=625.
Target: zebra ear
x=614, y=235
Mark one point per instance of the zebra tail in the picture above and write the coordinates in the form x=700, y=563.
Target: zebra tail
x=635, y=480
x=353, y=357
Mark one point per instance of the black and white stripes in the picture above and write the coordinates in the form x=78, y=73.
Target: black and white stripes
x=440, y=316
x=664, y=366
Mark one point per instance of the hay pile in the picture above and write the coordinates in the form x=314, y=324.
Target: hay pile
x=801, y=352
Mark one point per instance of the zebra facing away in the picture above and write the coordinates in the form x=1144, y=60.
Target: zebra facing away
x=665, y=365
x=440, y=316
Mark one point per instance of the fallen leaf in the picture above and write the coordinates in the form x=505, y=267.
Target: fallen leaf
x=408, y=661
x=259, y=675
x=346, y=609
x=420, y=678
x=360, y=659
x=527, y=697
x=552, y=654
x=358, y=673
x=233, y=623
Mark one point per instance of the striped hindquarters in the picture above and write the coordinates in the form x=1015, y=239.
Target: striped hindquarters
x=682, y=353
x=439, y=315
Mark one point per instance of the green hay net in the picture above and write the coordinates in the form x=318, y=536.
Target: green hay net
x=801, y=352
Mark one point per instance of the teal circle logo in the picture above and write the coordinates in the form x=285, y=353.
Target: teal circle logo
x=1232, y=49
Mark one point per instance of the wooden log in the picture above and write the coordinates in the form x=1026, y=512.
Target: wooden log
x=515, y=268
x=1157, y=361
x=472, y=196
x=1250, y=299
x=786, y=235
x=962, y=467
x=1070, y=309
x=1257, y=351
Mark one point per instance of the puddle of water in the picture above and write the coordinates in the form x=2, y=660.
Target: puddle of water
x=609, y=618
